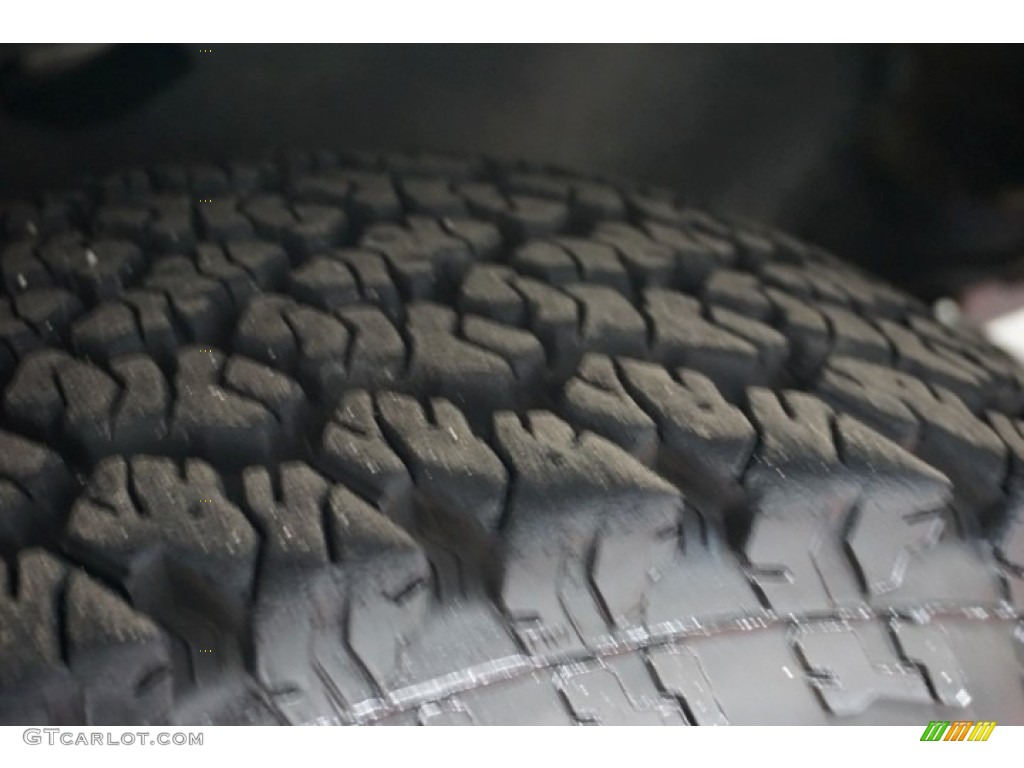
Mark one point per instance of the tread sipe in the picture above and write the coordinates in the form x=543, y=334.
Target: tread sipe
x=406, y=439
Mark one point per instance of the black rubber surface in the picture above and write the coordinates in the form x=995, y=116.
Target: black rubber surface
x=407, y=439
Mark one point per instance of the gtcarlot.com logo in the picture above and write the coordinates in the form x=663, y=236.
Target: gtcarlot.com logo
x=960, y=730
x=60, y=736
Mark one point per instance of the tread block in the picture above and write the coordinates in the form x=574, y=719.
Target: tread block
x=547, y=185
x=957, y=343
x=810, y=334
x=22, y=268
x=446, y=713
x=378, y=353
x=233, y=410
x=458, y=473
x=727, y=348
x=321, y=190
x=470, y=360
x=324, y=283
x=594, y=201
x=464, y=486
x=497, y=293
x=421, y=253
x=497, y=705
x=56, y=397
x=167, y=534
x=34, y=485
x=945, y=368
x=773, y=691
x=848, y=677
x=601, y=695
x=838, y=510
x=375, y=593
x=33, y=319
x=221, y=221
x=649, y=263
x=596, y=399
x=566, y=260
x=483, y=239
x=53, y=214
x=929, y=649
x=900, y=510
x=1006, y=526
x=303, y=228
x=432, y=197
x=519, y=217
x=163, y=224
x=608, y=321
x=372, y=198
x=931, y=421
x=242, y=265
x=208, y=274
x=588, y=201
x=800, y=497
x=593, y=506
x=132, y=507
x=294, y=338
x=659, y=205
x=579, y=317
x=520, y=349
x=696, y=254
x=288, y=506
x=97, y=270
x=388, y=581
x=353, y=449
x=467, y=362
x=384, y=447
x=488, y=291
x=739, y=292
x=329, y=281
x=679, y=673
x=31, y=639
x=75, y=653
x=354, y=346
x=148, y=322
x=772, y=347
x=120, y=654
x=703, y=436
x=852, y=336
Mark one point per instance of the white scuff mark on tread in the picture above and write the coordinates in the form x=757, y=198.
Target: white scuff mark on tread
x=946, y=311
x=90, y=257
x=22, y=282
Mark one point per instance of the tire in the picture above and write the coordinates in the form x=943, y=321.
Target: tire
x=409, y=439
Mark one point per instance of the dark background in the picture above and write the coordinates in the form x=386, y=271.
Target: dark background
x=899, y=158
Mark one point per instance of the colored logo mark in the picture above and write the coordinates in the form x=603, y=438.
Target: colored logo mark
x=958, y=730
